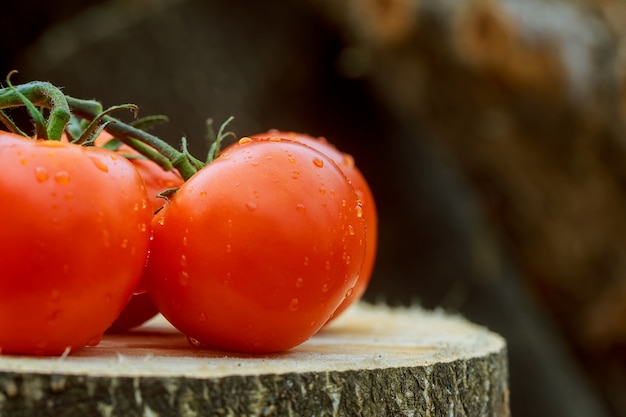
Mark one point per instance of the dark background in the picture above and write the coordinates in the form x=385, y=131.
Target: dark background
x=284, y=65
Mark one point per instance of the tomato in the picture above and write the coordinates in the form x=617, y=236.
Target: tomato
x=140, y=308
x=363, y=191
x=73, y=245
x=256, y=251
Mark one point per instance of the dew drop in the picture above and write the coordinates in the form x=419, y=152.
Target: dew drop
x=245, y=140
x=124, y=243
x=202, y=317
x=68, y=197
x=41, y=174
x=251, y=205
x=275, y=139
x=54, y=316
x=327, y=265
x=99, y=164
x=313, y=323
x=183, y=278
x=351, y=230
x=306, y=261
x=294, y=304
x=349, y=293
x=325, y=288
x=343, y=203
x=183, y=260
x=23, y=161
x=348, y=160
x=229, y=248
x=291, y=158
x=193, y=341
x=295, y=175
x=202, y=194
x=318, y=162
x=299, y=282
x=348, y=260
x=359, y=211
x=254, y=163
x=106, y=239
x=62, y=177
x=322, y=190
x=144, y=203
x=161, y=221
x=185, y=241
x=142, y=227
x=300, y=208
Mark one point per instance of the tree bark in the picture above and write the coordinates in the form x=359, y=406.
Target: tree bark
x=373, y=361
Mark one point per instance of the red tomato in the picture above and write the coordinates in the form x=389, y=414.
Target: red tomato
x=140, y=308
x=363, y=191
x=73, y=244
x=255, y=252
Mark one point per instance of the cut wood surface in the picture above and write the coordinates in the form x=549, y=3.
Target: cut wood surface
x=372, y=361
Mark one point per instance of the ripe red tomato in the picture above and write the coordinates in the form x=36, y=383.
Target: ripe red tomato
x=73, y=244
x=255, y=252
x=363, y=191
x=140, y=308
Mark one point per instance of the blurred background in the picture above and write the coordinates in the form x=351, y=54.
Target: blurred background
x=491, y=132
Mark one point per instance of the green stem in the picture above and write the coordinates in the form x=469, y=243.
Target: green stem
x=40, y=94
x=166, y=155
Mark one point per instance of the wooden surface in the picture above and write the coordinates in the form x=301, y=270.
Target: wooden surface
x=373, y=361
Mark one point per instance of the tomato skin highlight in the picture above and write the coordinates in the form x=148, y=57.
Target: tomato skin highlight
x=73, y=243
x=347, y=165
x=255, y=252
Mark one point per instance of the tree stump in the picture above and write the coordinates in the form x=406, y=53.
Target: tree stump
x=372, y=361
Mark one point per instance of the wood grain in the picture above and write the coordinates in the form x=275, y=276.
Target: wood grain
x=373, y=361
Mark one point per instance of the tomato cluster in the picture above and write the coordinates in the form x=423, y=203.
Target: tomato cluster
x=255, y=252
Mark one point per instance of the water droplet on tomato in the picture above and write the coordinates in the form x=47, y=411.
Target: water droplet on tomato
x=161, y=221
x=142, y=227
x=68, y=197
x=193, y=341
x=41, y=174
x=322, y=190
x=184, y=240
x=202, y=317
x=62, y=177
x=348, y=259
x=318, y=162
x=351, y=230
x=313, y=323
x=228, y=248
x=183, y=260
x=275, y=139
x=251, y=205
x=348, y=160
x=105, y=238
x=359, y=211
x=349, y=293
x=99, y=164
x=299, y=282
x=325, y=288
x=183, y=278
x=295, y=175
x=291, y=158
x=306, y=261
x=294, y=304
x=343, y=203
x=300, y=208
x=124, y=243
x=327, y=265
x=23, y=161
x=54, y=316
x=254, y=163
x=136, y=207
x=202, y=194
x=245, y=140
